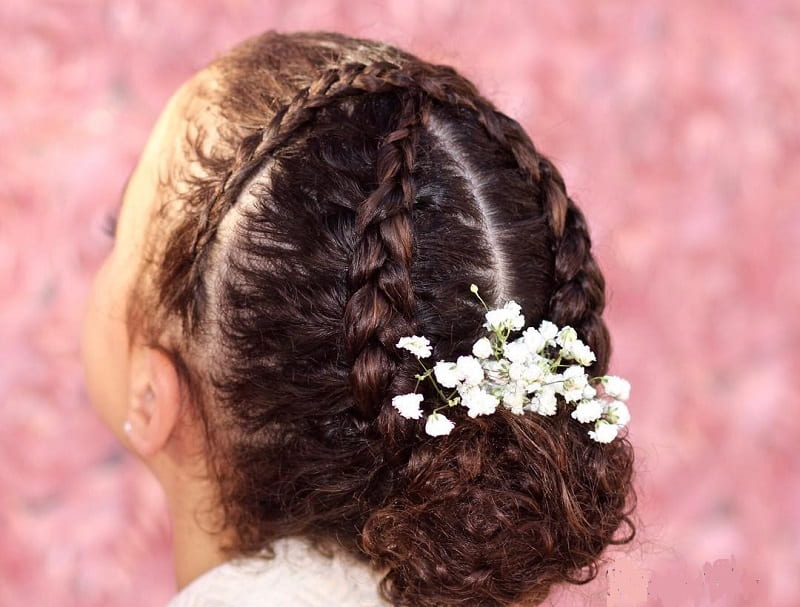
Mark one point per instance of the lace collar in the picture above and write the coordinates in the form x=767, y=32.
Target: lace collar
x=298, y=576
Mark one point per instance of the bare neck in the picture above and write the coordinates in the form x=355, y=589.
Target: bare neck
x=194, y=517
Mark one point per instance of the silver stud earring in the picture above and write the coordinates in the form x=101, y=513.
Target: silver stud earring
x=127, y=427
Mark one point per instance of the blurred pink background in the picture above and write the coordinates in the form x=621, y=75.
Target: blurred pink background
x=676, y=127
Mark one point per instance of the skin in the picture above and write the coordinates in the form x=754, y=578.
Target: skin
x=128, y=381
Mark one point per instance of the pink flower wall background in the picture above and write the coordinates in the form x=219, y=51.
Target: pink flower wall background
x=676, y=127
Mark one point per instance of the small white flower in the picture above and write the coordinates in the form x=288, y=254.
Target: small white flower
x=548, y=330
x=589, y=393
x=514, y=399
x=508, y=316
x=438, y=425
x=617, y=413
x=579, y=352
x=543, y=363
x=544, y=403
x=516, y=351
x=447, y=374
x=496, y=319
x=533, y=339
x=553, y=381
x=495, y=369
x=604, y=432
x=419, y=346
x=616, y=387
x=566, y=336
x=532, y=373
x=408, y=405
x=478, y=401
x=588, y=410
x=515, y=371
x=517, y=320
x=469, y=370
x=532, y=386
x=482, y=348
x=575, y=381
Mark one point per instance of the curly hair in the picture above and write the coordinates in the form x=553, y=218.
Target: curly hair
x=354, y=195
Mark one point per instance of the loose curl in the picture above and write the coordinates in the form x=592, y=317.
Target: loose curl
x=354, y=195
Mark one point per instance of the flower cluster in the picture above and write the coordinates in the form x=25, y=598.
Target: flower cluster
x=525, y=374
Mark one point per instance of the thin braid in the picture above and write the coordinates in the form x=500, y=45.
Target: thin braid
x=381, y=308
x=579, y=295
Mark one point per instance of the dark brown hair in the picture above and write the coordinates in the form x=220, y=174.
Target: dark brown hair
x=354, y=193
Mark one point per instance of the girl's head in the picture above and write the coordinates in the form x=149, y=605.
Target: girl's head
x=302, y=203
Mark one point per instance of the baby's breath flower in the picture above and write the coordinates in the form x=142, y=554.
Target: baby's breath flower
x=408, y=405
x=515, y=371
x=495, y=319
x=545, y=367
x=617, y=413
x=575, y=381
x=604, y=432
x=533, y=339
x=616, y=387
x=588, y=410
x=482, y=348
x=469, y=370
x=532, y=373
x=418, y=346
x=495, y=369
x=553, y=381
x=588, y=393
x=566, y=336
x=507, y=317
x=438, y=425
x=478, y=401
x=514, y=399
x=548, y=330
x=447, y=374
x=517, y=320
x=531, y=387
x=544, y=403
x=516, y=351
x=580, y=352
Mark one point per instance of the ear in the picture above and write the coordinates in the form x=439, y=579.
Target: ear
x=154, y=398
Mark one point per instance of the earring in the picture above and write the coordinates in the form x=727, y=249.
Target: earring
x=127, y=427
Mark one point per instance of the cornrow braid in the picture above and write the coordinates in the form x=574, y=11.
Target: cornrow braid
x=578, y=298
x=381, y=306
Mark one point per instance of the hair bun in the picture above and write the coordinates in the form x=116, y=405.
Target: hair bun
x=499, y=512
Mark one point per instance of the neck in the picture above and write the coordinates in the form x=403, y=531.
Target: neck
x=196, y=550
x=197, y=543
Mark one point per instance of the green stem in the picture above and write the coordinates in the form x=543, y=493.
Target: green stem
x=429, y=375
x=485, y=307
x=444, y=406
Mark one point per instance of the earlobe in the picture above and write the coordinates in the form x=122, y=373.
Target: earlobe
x=153, y=400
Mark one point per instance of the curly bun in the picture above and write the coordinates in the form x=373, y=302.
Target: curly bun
x=500, y=512
x=355, y=194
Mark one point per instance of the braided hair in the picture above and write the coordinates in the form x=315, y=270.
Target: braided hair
x=356, y=194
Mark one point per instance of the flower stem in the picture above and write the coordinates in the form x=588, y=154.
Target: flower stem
x=481, y=299
x=429, y=374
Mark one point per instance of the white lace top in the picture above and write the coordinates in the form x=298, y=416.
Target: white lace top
x=297, y=577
